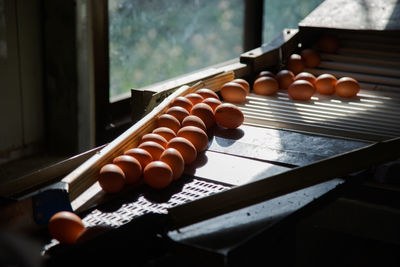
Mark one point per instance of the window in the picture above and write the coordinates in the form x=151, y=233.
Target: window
x=146, y=42
x=280, y=15
x=152, y=41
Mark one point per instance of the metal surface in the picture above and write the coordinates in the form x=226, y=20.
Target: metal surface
x=371, y=116
x=279, y=146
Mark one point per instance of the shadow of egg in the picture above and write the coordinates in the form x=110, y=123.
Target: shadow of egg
x=233, y=134
x=91, y=232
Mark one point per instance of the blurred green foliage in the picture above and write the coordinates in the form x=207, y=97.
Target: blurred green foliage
x=154, y=40
x=283, y=14
x=151, y=41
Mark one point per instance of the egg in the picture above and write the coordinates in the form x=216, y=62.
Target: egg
x=185, y=147
x=194, y=98
x=295, y=63
x=229, y=116
x=196, y=136
x=182, y=101
x=325, y=84
x=169, y=121
x=111, y=178
x=328, y=43
x=212, y=102
x=192, y=120
x=155, y=149
x=347, y=87
x=306, y=76
x=285, y=78
x=140, y=155
x=243, y=83
x=155, y=138
x=233, y=92
x=174, y=159
x=165, y=132
x=157, y=174
x=206, y=93
x=310, y=57
x=301, y=90
x=265, y=86
x=130, y=166
x=65, y=227
x=266, y=73
x=178, y=112
x=205, y=113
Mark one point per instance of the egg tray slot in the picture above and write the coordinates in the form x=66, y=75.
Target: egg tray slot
x=122, y=209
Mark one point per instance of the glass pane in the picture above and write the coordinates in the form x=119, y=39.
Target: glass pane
x=279, y=15
x=151, y=41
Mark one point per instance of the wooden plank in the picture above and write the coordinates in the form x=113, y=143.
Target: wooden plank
x=367, y=69
x=268, y=56
x=355, y=15
x=277, y=146
x=43, y=176
x=283, y=183
x=365, y=60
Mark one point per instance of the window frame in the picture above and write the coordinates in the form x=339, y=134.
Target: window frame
x=112, y=117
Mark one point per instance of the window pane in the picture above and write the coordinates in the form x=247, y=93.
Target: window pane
x=151, y=41
x=279, y=15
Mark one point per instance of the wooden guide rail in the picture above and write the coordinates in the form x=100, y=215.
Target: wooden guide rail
x=86, y=174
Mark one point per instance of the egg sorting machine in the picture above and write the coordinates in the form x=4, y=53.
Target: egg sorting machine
x=280, y=135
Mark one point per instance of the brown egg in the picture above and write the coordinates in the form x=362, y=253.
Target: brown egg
x=212, y=102
x=243, y=83
x=206, y=93
x=229, y=116
x=295, y=64
x=284, y=78
x=174, y=159
x=155, y=149
x=140, y=155
x=301, y=90
x=157, y=174
x=205, y=113
x=328, y=43
x=193, y=120
x=265, y=86
x=169, y=121
x=66, y=227
x=185, y=147
x=182, y=101
x=111, y=178
x=347, y=87
x=233, y=92
x=196, y=136
x=266, y=73
x=310, y=57
x=306, y=76
x=131, y=168
x=155, y=138
x=325, y=84
x=165, y=132
x=178, y=112
x=194, y=98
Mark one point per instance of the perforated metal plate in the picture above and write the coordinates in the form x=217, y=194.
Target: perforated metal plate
x=151, y=202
